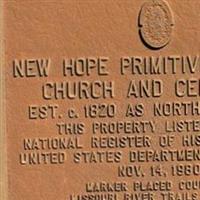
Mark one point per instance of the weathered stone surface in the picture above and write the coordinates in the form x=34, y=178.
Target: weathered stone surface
x=133, y=115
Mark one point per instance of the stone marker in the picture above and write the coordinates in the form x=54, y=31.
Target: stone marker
x=100, y=99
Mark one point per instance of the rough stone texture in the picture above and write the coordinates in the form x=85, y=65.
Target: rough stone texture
x=75, y=28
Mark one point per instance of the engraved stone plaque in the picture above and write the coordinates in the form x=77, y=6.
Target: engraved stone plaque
x=101, y=99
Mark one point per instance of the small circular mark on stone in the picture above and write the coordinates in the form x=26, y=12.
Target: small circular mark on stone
x=60, y=116
x=155, y=23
